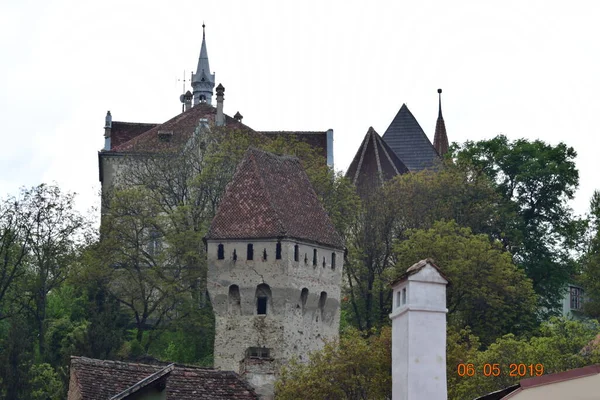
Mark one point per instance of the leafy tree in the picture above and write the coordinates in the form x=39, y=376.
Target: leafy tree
x=410, y=201
x=353, y=368
x=560, y=345
x=56, y=234
x=45, y=383
x=590, y=277
x=535, y=181
x=487, y=292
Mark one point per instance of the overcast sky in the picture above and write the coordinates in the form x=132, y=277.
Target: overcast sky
x=526, y=69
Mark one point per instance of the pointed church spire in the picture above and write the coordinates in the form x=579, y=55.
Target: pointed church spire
x=440, y=140
x=203, y=81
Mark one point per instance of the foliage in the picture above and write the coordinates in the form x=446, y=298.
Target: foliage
x=353, y=368
x=561, y=345
x=487, y=291
x=410, y=201
x=591, y=260
x=45, y=383
x=535, y=181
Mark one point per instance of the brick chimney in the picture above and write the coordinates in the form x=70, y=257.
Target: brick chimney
x=107, y=129
x=220, y=118
x=419, y=334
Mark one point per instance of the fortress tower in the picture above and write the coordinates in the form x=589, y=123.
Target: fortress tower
x=274, y=270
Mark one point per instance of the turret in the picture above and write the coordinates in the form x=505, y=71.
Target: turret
x=203, y=81
x=440, y=140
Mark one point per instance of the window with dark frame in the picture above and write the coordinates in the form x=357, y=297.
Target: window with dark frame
x=576, y=298
x=258, y=352
x=250, y=253
x=221, y=252
x=278, y=251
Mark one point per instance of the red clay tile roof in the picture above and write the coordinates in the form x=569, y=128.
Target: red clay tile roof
x=374, y=163
x=316, y=139
x=122, y=132
x=270, y=196
x=100, y=380
x=182, y=127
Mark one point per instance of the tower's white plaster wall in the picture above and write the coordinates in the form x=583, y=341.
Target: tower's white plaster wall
x=290, y=328
x=419, y=337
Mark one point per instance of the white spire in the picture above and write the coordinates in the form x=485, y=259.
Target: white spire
x=203, y=81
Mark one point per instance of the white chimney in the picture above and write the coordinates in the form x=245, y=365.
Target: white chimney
x=107, y=130
x=220, y=119
x=419, y=334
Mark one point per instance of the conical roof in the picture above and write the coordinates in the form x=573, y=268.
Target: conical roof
x=440, y=139
x=270, y=197
x=374, y=163
x=407, y=139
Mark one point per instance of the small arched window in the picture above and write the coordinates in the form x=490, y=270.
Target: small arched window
x=221, y=252
x=296, y=253
x=263, y=298
x=235, y=301
x=303, y=297
x=322, y=301
x=314, y=257
x=332, y=260
x=278, y=251
x=250, y=253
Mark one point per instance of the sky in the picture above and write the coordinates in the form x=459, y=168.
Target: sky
x=525, y=69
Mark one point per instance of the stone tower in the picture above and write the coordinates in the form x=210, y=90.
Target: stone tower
x=202, y=81
x=274, y=270
x=419, y=334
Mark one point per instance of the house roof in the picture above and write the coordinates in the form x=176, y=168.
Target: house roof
x=374, y=163
x=533, y=387
x=317, y=139
x=122, y=132
x=181, y=128
x=270, y=196
x=409, y=142
x=101, y=380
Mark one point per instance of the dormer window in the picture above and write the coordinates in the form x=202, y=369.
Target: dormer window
x=165, y=136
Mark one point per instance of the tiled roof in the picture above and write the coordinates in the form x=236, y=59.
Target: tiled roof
x=416, y=267
x=100, y=380
x=317, y=140
x=409, y=142
x=374, y=163
x=122, y=132
x=270, y=196
x=181, y=126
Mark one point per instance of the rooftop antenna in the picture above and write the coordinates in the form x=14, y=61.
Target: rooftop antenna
x=183, y=81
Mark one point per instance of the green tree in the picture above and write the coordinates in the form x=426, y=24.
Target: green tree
x=590, y=261
x=487, y=292
x=353, y=368
x=410, y=201
x=535, y=180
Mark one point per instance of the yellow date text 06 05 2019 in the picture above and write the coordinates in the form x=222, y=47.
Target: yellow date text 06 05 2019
x=514, y=370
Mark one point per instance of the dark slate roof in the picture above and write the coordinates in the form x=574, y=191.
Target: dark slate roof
x=317, y=139
x=374, y=163
x=270, y=196
x=122, y=132
x=409, y=142
x=101, y=380
x=181, y=126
